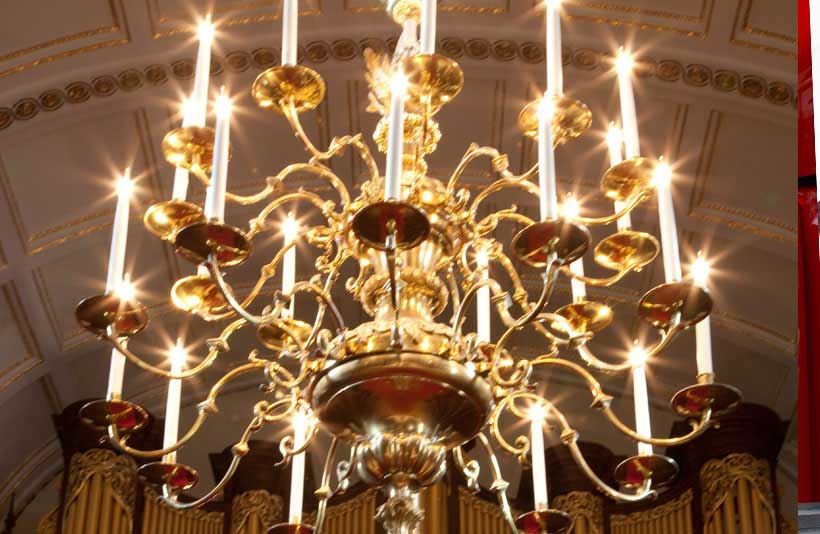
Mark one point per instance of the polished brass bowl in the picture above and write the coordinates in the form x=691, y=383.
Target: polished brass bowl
x=682, y=303
x=693, y=400
x=631, y=177
x=100, y=313
x=402, y=393
x=433, y=80
x=570, y=119
x=279, y=335
x=586, y=316
x=165, y=219
x=536, y=242
x=285, y=85
x=374, y=223
x=544, y=522
x=190, y=147
x=626, y=249
x=198, y=294
x=197, y=242
x=177, y=477
x=633, y=472
x=127, y=416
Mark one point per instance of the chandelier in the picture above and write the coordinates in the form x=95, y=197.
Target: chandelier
x=406, y=388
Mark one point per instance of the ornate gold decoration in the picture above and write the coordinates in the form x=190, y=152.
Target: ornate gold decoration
x=653, y=515
x=269, y=508
x=582, y=503
x=118, y=470
x=718, y=477
x=48, y=523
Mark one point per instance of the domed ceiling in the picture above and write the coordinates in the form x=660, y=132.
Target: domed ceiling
x=91, y=86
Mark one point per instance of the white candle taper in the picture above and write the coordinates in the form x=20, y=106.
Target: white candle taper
x=572, y=209
x=614, y=141
x=428, y=26
x=203, y=72
x=114, y=283
x=703, y=330
x=629, y=118
x=180, y=191
x=555, y=66
x=297, y=478
x=668, y=226
x=643, y=425
x=548, y=195
x=539, y=463
x=290, y=228
x=215, y=196
x=172, y=404
x=395, y=137
x=483, y=298
x=290, y=30
x=116, y=370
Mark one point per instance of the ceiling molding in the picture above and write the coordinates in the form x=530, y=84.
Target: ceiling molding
x=32, y=357
x=751, y=86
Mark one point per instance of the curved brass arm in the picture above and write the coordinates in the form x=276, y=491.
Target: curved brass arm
x=602, y=401
x=468, y=467
x=264, y=411
x=598, y=282
x=217, y=345
x=324, y=207
x=498, y=185
x=324, y=493
x=227, y=293
x=500, y=485
x=206, y=408
x=631, y=204
x=500, y=165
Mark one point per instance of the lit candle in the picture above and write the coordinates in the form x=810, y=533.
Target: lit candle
x=395, y=137
x=555, y=66
x=703, y=330
x=629, y=118
x=215, y=197
x=428, y=26
x=115, y=284
x=539, y=464
x=643, y=426
x=116, y=371
x=483, y=298
x=668, y=227
x=173, y=403
x=290, y=229
x=546, y=161
x=290, y=28
x=571, y=210
x=203, y=72
x=614, y=140
x=180, y=191
x=297, y=479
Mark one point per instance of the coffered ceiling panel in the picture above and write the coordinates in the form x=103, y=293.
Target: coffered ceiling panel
x=40, y=31
x=770, y=26
x=688, y=17
x=458, y=6
x=762, y=152
x=19, y=352
x=78, y=165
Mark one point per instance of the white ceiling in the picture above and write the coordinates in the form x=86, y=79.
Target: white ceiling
x=90, y=86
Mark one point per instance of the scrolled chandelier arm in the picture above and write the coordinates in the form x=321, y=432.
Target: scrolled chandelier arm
x=422, y=245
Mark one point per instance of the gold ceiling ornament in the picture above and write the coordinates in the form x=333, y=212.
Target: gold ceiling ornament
x=410, y=384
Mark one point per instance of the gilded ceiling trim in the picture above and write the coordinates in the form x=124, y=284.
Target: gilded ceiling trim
x=116, y=25
x=704, y=18
x=47, y=456
x=447, y=8
x=157, y=18
x=742, y=23
x=32, y=357
x=779, y=93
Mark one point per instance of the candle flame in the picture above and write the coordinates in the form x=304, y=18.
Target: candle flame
x=614, y=135
x=125, y=289
x=290, y=227
x=700, y=270
x=537, y=412
x=623, y=62
x=638, y=356
x=205, y=30
x=177, y=354
x=662, y=174
x=124, y=186
x=571, y=207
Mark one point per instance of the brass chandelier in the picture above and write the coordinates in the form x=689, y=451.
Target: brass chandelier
x=405, y=388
